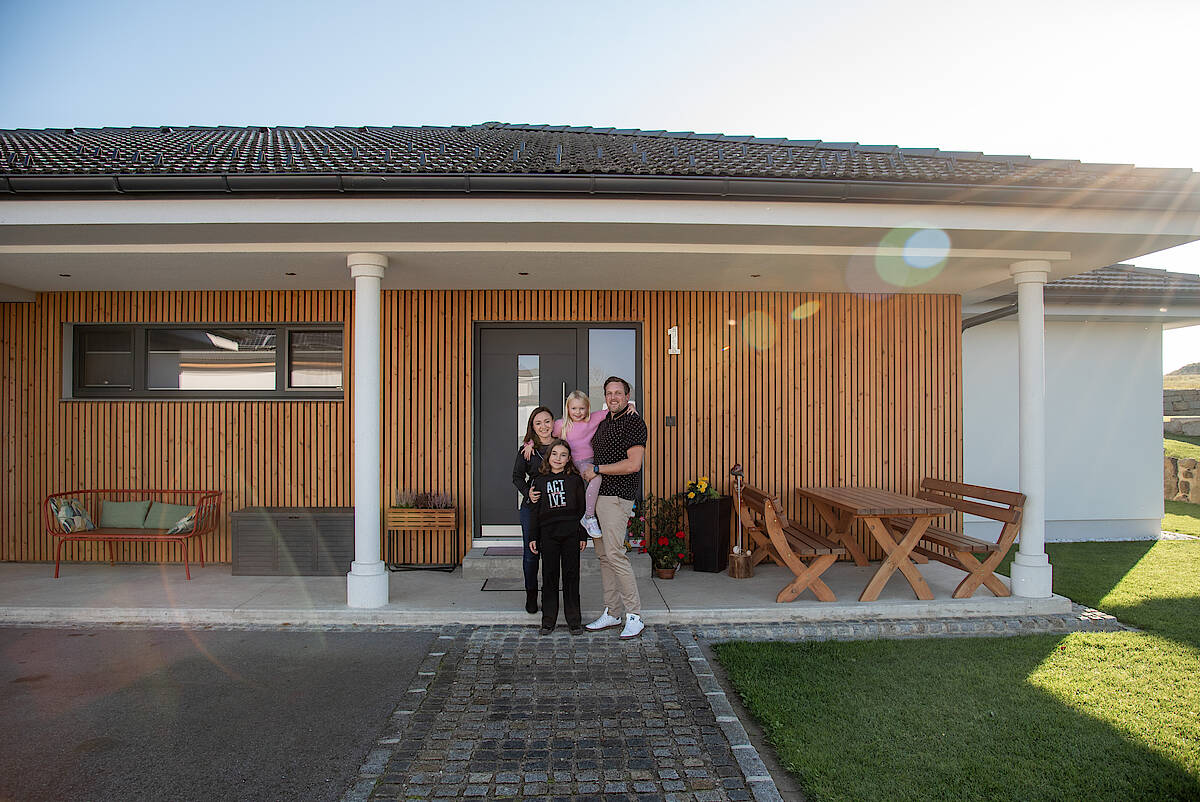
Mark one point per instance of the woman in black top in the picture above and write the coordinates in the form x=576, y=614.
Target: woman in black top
x=539, y=430
x=559, y=535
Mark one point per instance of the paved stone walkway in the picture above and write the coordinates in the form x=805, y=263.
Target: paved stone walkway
x=510, y=714
x=1080, y=619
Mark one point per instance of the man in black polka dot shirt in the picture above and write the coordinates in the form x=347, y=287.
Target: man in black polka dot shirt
x=620, y=447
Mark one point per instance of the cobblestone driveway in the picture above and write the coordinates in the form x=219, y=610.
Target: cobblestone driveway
x=506, y=713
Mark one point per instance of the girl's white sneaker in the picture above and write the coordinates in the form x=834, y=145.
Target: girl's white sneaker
x=591, y=525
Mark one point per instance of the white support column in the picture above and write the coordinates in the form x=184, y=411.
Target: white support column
x=1031, y=571
x=367, y=582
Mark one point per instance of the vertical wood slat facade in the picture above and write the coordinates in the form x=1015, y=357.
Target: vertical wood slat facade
x=256, y=452
x=801, y=388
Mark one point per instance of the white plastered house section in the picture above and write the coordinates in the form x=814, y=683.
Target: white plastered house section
x=1104, y=406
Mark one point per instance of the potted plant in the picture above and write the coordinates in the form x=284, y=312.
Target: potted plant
x=414, y=510
x=665, y=540
x=635, y=537
x=709, y=516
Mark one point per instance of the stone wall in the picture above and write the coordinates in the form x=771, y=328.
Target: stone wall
x=1179, y=480
x=1181, y=412
x=1181, y=402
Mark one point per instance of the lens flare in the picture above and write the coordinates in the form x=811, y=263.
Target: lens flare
x=863, y=279
x=806, y=309
x=759, y=331
x=927, y=248
x=910, y=257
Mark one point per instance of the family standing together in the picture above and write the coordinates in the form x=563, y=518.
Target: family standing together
x=578, y=478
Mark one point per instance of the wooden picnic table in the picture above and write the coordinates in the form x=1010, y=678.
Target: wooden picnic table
x=840, y=506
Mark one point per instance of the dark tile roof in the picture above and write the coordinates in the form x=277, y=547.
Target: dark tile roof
x=366, y=156
x=1117, y=284
x=1128, y=277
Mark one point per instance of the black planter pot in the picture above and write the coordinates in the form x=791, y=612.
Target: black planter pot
x=709, y=525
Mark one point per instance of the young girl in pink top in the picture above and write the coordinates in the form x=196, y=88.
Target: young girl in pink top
x=577, y=426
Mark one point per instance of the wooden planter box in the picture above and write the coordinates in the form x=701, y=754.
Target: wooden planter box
x=293, y=541
x=424, y=520
x=412, y=521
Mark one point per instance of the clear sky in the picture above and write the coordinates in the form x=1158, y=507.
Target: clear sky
x=1095, y=80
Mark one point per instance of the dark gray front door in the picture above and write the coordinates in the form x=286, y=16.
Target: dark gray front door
x=517, y=371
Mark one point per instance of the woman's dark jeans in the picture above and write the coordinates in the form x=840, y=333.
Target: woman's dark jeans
x=529, y=560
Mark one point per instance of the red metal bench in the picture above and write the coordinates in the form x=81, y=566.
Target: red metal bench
x=206, y=502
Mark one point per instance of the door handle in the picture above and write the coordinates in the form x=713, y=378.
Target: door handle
x=564, y=399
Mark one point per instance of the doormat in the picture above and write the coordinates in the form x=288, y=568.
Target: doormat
x=498, y=583
x=447, y=567
x=503, y=551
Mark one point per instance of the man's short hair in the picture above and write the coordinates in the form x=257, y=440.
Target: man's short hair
x=624, y=383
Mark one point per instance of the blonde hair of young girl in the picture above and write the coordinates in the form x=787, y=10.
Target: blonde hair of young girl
x=576, y=395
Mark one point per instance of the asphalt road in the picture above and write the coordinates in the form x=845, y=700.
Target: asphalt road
x=207, y=715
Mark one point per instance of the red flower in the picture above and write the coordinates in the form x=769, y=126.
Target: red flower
x=681, y=556
x=662, y=541
x=679, y=535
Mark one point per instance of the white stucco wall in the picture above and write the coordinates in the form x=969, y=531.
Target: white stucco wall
x=1103, y=424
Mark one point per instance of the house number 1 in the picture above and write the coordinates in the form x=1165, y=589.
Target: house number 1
x=673, y=333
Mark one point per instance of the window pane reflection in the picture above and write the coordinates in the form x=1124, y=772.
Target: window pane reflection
x=107, y=359
x=529, y=390
x=315, y=359
x=611, y=352
x=210, y=359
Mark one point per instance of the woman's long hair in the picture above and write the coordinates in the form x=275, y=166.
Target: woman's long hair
x=530, y=434
x=570, y=468
x=587, y=406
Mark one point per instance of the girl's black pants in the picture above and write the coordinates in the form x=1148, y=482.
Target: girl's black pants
x=559, y=549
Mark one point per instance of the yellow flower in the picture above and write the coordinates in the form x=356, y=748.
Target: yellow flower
x=703, y=480
x=702, y=486
x=692, y=495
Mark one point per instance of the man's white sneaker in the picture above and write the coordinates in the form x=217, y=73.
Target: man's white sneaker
x=633, y=626
x=591, y=525
x=605, y=621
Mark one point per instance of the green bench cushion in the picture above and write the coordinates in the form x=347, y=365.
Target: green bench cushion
x=125, y=514
x=164, y=516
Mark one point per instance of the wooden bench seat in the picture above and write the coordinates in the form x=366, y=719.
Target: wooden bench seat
x=788, y=544
x=1004, y=506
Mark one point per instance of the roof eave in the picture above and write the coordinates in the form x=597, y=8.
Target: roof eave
x=1109, y=297
x=1185, y=197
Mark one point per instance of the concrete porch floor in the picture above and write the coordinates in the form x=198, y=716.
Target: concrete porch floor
x=89, y=593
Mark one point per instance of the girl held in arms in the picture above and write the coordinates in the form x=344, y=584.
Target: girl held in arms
x=577, y=426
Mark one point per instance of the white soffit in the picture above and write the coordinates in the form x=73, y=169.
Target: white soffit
x=464, y=243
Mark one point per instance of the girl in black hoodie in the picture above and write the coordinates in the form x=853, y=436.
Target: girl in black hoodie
x=558, y=535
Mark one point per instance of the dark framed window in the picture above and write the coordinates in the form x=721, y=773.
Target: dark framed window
x=219, y=360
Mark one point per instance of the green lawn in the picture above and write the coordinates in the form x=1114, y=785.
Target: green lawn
x=1182, y=446
x=1182, y=517
x=1099, y=716
x=1152, y=585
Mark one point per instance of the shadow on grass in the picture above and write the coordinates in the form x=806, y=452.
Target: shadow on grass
x=1177, y=618
x=1087, y=572
x=1151, y=585
x=958, y=719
